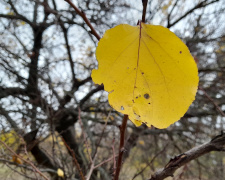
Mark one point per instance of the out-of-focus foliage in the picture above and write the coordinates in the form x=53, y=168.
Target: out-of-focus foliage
x=10, y=138
x=60, y=173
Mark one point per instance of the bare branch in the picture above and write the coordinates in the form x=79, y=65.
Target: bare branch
x=17, y=16
x=12, y=91
x=144, y=3
x=169, y=15
x=25, y=160
x=216, y=144
x=149, y=163
x=27, y=167
x=65, y=33
x=105, y=161
x=95, y=154
x=121, y=148
x=214, y=103
x=75, y=160
x=99, y=88
x=82, y=14
x=67, y=98
x=198, y=6
x=8, y=118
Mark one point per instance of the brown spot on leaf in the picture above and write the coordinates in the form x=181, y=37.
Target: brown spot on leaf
x=180, y=52
x=146, y=96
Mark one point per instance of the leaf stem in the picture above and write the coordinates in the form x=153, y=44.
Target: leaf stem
x=144, y=3
x=121, y=148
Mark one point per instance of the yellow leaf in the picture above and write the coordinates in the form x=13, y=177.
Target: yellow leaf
x=10, y=13
x=141, y=142
x=221, y=49
x=16, y=159
x=112, y=118
x=149, y=73
x=22, y=23
x=60, y=172
x=10, y=137
x=166, y=6
x=91, y=108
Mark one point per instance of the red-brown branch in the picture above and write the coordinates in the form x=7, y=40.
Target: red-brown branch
x=82, y=14
x=144, y=3
x=121, y=148
x=75, y=160
x=35, y=169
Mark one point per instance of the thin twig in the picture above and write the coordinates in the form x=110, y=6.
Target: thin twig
x=114, y=157
x=82, y=14
x=144, y=3
x=75, y=160
x=171, y=11
x=88, y=176
x=22, y=173
x=105, y=161
x=149, y=163
x=94, y=157
x=88, y=95
x=27, y=167
x=68, y=48
x=28, y=162
x=198, y=6
x=84, y=135
x=103, y=131
x=121, y=148
x=214, y=103
x=216, y=144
